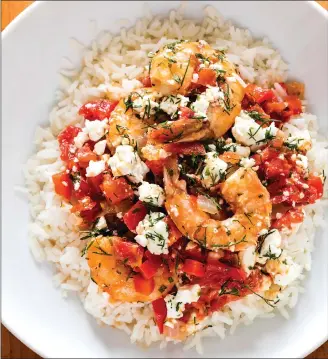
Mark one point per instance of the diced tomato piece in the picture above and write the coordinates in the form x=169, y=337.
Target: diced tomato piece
x=207, y=77
x=116, y=189
x=63, y=184
x=277, y=167
x=94, y=184
x=66, y=139
x=148, y=269
x=291, y=217
x=195, y=251
x=157, y=166
x=185, y=148
x=193, y=267
x=97, y=110
x=294, y=104
x=186, y=112
x=87, y=208
x=160, y=312
x=174, y=233
x=258, y=95
x=277, y=107
x=129, y=252
x=316, y=188
x=142, y=285
x=85, y=155
x=146, y=81
x=134, y=215
x=217, y=273
x=155, y=259
x=83, y=189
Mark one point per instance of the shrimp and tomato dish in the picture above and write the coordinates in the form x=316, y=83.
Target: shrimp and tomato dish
x=187, y=187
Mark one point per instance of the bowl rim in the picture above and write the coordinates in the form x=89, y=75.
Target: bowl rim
x=5, y=33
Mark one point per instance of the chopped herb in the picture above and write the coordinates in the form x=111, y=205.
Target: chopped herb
x=162, y=288
x=184, y=76
x=170, y=279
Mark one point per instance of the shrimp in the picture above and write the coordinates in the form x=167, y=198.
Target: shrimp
x=180, y=131
x=243, y=191
x=171, y=69
x=124, y=124
x=115, y=276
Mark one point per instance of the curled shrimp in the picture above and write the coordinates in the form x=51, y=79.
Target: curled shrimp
x=243, y=191
x=125, y=124
x=113, y=274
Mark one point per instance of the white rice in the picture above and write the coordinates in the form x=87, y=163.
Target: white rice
x=53, y=229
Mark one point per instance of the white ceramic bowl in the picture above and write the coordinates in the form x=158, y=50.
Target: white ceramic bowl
x=33, y=46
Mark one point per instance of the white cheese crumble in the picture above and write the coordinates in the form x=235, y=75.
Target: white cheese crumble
x=270, y=248
x=153, y=233
x=297, y=135
x=176, y=304
x=101, y=223
x=247, y=258
x=203, y=101
x=247, y=162
x=80, y=139
x=100, y=147
x=170, y=104
x=95, y=168
x=238, y=149
x=126, y=162
x=151, y=193
x=152, y=153
x=214, y=169
x=288, y=272
x=302, y=161
x=247, y=132
x=96, y=129
x=145, y=105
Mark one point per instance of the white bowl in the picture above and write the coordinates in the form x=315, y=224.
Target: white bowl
x=33, y=46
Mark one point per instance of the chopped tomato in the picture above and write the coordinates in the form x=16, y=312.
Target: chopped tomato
x=258, y=95
x=206, y=77
x=277, y=107
x=160, y=312
x=63, y=184
x=142, y=285
x=316, y=185
x=195, y=251
x=155, y=259
x=97, y=110
x=149, y=268
x=218, y=273
x=87, y=208
x=116, y=189
x=66, y=140
x=193, y=267
x=85, y=155
x=277, y=167
x=174, y=233
x=134, y=215
x=157, y=166
x=146, y=81
x=185, y=148
x=129, y=252
x=294, y=104
x=94, y=184
x=292, y=216
x=83, y=189
x=186, y=112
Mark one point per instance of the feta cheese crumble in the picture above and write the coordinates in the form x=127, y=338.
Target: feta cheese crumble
x=101, y=223
x=247, y=132
x=152, y=232
x=270, y=248
x=214, y=169
x=247, y=162
x=126, y=162
x=145, y=105
x=152, y=153
x=176, y=304
x=296, y=136
x=95, y=168
x=200, y=106
x=171, y=104
x=151, y=193
x=100, y=147
x=80, y=139
x=95, y=129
